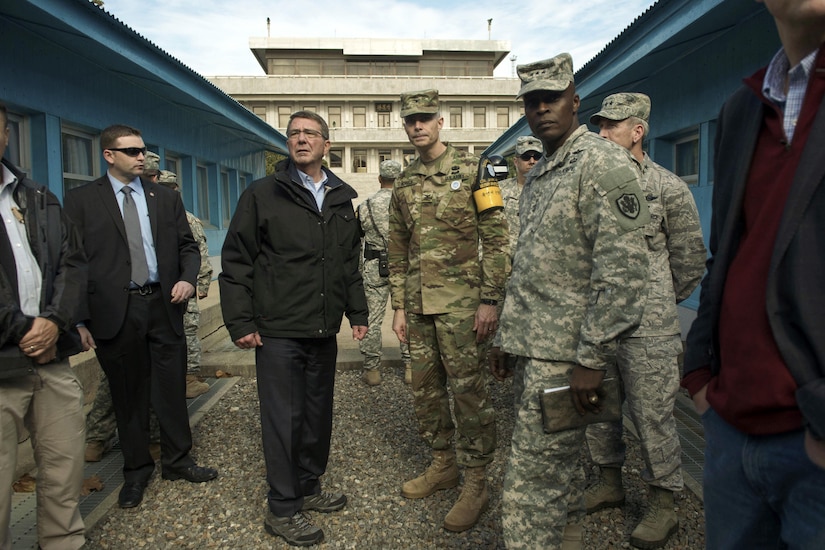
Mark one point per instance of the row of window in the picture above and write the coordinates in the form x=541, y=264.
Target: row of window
x=383, y=115
x=425, y=67
x=81, y=164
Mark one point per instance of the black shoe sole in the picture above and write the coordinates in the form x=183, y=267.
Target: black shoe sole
x=293, y=542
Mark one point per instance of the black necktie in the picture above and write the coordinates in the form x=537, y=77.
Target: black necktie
x=140, y=269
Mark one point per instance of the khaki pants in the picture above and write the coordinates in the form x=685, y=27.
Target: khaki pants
x=49, y=404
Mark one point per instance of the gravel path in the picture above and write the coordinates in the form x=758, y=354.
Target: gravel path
x=375, y=447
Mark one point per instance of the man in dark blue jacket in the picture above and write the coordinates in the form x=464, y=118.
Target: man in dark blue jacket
x=42, y=276
x=290, y=272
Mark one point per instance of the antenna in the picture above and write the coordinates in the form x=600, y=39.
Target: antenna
x=267, y=27
x=513, y=62
x=489, y=28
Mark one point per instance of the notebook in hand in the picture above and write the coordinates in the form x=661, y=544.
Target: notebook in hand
x=558, y=412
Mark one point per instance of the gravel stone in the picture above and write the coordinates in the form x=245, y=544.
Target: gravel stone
x=375, y=448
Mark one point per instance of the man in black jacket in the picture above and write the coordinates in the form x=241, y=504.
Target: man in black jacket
x=41, y=281
x=290, y=271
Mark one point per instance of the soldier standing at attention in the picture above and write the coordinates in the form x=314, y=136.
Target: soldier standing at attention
x=445, y=301
x=528, y=153
x=577, y=284
x=648, y=358
x=374, y=215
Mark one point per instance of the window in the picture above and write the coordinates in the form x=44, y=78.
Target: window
x=226, y=199
x=336, y=158
x=172, y=163
x=203, y=195
x=359, y=116
x=503, y=117
x=409, y=156
x=384, y=120
x=384, y=154
x=359, y=160
x=241, y=184
x=283, y=116
x=17, y=152
x=260, y=111
x=479, y=117
x=334, y=117
x=310, y=108
x=79, y=166
x=686, y=159
x=455, y=117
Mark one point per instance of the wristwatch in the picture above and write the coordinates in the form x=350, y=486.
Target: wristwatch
x=489, y=302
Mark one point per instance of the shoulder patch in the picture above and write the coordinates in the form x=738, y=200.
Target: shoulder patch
x=620, y=186
x=629, y=205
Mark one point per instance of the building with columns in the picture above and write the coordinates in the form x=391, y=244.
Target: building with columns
x=356, y=83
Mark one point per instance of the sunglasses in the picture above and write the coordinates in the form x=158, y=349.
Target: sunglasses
x=129, y=151
x=531, y=155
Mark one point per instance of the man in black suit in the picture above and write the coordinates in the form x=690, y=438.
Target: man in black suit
x=143, y=263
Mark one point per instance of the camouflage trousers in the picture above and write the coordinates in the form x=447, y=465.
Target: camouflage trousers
x=101, y=423
x=443, y=350
x=191, y=322
x=650, y=375
x=371, y=345
x=544, y=480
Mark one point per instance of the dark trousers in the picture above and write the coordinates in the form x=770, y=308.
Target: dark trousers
x=296, y=378
x=146, y=364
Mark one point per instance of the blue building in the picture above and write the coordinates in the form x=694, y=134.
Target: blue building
x=688, y=56
x=69, y=69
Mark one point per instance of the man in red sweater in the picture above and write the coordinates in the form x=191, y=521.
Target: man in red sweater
x=755, y=358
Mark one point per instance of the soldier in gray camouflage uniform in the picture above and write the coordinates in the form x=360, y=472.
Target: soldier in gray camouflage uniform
x=648, y=358
x=579, y=273
x=445, y=301
x=374, y=215
x=528, y=153
x=192, y=317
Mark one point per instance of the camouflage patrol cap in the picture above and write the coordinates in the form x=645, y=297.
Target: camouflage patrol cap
x=528, y=143
x=389, y=169
x=167, y=178
x=151, y=162
x=421, y=102
x=554, y=75
x=623, y=105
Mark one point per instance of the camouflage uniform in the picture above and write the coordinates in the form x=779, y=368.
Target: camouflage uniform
x=191, y=319
x=648, y=358
x=437, y=277
x=578, y=276
x=510, y=193
x=375, y=225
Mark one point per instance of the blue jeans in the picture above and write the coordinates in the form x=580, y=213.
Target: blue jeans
x=760, y=491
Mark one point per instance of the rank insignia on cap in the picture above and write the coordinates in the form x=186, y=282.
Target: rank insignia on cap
x=456, y=185
x=629, y=205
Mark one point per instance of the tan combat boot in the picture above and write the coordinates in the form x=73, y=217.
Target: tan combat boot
x=441, y=474
x=658, y=523
x=607, y=492
x=572, y=537
x=371, y=377
x=472, y=502
x=407, y=373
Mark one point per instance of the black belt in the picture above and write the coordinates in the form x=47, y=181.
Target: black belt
x=145, y=290
x=371, y=253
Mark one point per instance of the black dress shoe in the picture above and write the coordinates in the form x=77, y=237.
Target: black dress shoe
x=131, y=495
x=193, y=474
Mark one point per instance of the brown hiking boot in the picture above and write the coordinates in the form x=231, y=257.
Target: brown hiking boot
x=194, y=387
x=371, y=377
x=659, y=521
x=572, y=537
x=441, y=474
x=94, y=451
x=607, y=492
x=472, y=502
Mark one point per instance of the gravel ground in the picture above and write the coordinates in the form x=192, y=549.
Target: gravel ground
x=375, y=447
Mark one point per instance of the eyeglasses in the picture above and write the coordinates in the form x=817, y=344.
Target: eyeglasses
x=308, y=132
x=129, y=151
x=535, y=155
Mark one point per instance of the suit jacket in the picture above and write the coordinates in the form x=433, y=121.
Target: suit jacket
x=94, y=210
x=796, y=281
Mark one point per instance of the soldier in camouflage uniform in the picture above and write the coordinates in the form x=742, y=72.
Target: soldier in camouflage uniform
x=374, y=215
x=648, y=358
x=577, y=284
x=192, y=317
x=528, y=153
x=445, y=301
x=101, y=424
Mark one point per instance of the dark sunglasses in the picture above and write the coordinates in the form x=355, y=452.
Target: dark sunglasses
x=531, y=155
x=129, y=151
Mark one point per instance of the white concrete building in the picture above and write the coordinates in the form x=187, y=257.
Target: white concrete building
x=356, y=83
